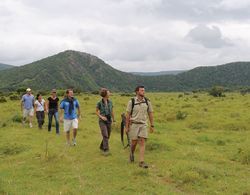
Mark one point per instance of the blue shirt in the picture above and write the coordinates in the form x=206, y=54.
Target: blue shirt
x=65, y=106
x=28, y=101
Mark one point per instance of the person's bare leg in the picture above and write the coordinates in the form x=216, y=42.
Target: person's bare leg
x=30, y=120
x=74, y=136
x=142, y=148
x=68, y=137
x=74, y=133
x=132, y=150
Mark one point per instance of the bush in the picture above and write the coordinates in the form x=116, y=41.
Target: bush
x=127, y=95
x=14, y=97
x=60, y=93
x=198, y=126
x=3, y=100
x=180, y=95
x=86, y=98
x=181, y=115
x=217, y=91
x=21, y=90
x=95, y=92
x=17, y=118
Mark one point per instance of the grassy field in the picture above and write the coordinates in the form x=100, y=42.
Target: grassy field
x=201, y=145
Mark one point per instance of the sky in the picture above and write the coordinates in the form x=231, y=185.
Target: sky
x=130, y=35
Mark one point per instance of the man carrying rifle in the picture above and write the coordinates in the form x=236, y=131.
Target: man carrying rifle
x=138, y=109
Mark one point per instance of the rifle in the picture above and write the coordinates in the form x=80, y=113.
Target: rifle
x=123, y=124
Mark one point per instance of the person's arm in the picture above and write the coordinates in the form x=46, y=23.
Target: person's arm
x=35, y=108
x=33, y=102
x=151, y=120
x=61, y=115
x=99, y=115
x=128, y=116
x=79, y=112
x=61, y=112
x=47, y=106
x=127, y=122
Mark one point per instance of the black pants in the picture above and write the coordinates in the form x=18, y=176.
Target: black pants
x=40, y=118
x=106, y=131
x=53, y=112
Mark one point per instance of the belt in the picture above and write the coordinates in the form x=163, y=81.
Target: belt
x=137, y=123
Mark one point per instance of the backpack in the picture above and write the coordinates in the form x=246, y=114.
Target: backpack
x=134, y=104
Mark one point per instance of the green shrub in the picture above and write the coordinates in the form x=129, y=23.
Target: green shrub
x=3, y=100
x=181, y=115
x=126, y=94
x=198, y=126
x=95, y=92
x=17, y=118
x=217, y=91
x=14, y=97
x=86, y=98
x=180, y=95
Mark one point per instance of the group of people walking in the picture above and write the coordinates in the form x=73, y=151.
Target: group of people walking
x=31, y=106
x=138, y=110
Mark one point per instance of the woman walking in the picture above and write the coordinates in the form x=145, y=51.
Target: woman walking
x=52, y=108
x=104, y=111
x=39, y=110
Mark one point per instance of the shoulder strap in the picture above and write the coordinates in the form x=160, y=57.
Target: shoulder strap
x=146, y=100
x=133, y=105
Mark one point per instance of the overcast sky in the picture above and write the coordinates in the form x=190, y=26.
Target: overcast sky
x=130, y=35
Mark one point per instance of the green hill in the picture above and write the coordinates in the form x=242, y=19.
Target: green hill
x=5, y=66
x=87, y=72
x=66, y=69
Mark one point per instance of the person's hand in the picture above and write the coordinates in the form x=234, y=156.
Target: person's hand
x=151, y=129
x=79, y=117
x=104, y=118
x=126, y=129
x=61, y=119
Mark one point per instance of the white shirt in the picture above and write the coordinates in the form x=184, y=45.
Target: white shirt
x=40, y=105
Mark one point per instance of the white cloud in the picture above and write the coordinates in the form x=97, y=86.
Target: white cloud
x=131, y=35
x=209, y=37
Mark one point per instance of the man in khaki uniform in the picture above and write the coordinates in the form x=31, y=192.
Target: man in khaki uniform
x=136, y=123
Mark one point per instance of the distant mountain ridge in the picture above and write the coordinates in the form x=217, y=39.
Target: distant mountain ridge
x=87, y=72
x=170, y=72
x=5, y=66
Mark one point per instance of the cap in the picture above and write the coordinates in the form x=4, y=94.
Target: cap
x=28, y=89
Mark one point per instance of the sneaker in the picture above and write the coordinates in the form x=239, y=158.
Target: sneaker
x=74, y=142
x=67, y=144
x=131, y=157
x=143, y=165
x=31, y=125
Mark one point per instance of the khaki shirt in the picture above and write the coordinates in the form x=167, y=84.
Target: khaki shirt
x=140, y=111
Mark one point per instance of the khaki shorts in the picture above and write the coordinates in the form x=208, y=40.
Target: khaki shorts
x=68, y=124
x=29, y=112
x=138, y=130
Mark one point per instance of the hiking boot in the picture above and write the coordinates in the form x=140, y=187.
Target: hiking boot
x=131, y=157
x=143, y=165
